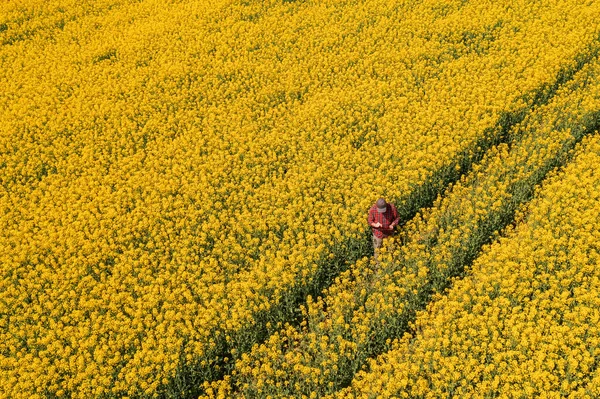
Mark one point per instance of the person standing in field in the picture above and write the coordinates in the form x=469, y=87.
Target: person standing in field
x=383, y=217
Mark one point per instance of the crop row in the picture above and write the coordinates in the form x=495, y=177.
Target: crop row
x=178, y=175
x=371, y=304
x=524, y=321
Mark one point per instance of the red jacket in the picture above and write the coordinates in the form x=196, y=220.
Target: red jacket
x=390, y=216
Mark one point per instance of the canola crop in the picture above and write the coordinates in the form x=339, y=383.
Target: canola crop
x=369, y=305
x=523, y=323
x=171, y=170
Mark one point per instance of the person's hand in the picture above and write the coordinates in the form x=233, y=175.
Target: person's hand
x=376, y=224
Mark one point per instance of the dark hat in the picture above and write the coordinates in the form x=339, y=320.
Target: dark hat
x=381, y=205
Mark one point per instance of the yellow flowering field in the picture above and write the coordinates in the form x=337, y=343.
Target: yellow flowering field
x=524, y=321
x=369, y=305
x=180, y=177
